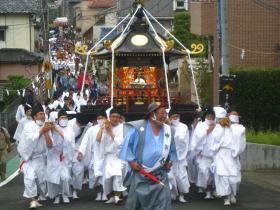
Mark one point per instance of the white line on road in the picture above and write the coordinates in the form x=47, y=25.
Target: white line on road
x=10, y=178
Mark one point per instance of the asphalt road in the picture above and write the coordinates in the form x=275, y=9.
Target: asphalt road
x=251, y=196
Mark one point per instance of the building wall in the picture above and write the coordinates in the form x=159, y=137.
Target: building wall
x=18, y=32
x=85, y=16
x=17, y=69
x=253, y=28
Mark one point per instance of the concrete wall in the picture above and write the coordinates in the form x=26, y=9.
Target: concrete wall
x=260, y=156
x=18, y=32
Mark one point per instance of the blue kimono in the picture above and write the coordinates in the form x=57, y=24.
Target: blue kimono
x=151, y=152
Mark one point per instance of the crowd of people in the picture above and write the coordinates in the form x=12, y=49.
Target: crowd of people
x=150, y=161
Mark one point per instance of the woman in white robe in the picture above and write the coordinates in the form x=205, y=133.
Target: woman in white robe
x=32, y=149
x=58, y=158
x=178, y=173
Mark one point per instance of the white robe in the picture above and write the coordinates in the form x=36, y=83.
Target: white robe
x=90, y=148
x=32, y=149
x=21, y=124
x=110, y=149
x=58, y=158
x=201, y=144
x=78, y=167
x=229, y=144
x=20, y=113
x=178, y=173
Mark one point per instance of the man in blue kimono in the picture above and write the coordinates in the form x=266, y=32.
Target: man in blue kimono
x=149, y=145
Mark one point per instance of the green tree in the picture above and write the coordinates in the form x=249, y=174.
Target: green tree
x=14, y=83
x=182, y=31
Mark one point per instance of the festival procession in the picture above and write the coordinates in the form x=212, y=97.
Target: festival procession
x=139, y=104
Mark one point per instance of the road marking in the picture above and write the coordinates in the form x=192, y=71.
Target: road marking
x=10, y=178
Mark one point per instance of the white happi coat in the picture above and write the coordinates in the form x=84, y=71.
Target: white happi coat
x=59, y=159
x=201, y=143
x=32, y=149
x=110, y=150
x=90, y=148
x=78, y=166
x=178, y=174
x=21, y=124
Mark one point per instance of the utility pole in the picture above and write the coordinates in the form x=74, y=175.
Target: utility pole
x=223, y=36
x=44, y=8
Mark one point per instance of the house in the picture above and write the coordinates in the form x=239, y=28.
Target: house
x=253, y=33
x=19, y=38
x=90, y=13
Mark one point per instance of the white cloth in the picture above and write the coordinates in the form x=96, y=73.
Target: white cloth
x=201, y=145
x=78, y=167
x=179, y=168
x=140, y=81
x=58, y=158
x=32, y=149
x=20, y=113
x=110, y=149
x=90, y=148
x=19, y=129
x=229, y=144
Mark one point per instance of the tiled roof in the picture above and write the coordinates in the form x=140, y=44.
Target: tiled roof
x=104, y=31
x=101, y=3
x=21, y=56
x=19, y=6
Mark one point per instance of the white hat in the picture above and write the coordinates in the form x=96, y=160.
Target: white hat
x=220, y=112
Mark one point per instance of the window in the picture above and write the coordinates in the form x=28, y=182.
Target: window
x=181, y=4
x=2, y=35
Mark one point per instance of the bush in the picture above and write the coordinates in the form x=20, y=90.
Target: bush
x=257, y=97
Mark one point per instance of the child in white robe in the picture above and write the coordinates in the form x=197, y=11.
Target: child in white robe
x=58, y=158
x=178, y=174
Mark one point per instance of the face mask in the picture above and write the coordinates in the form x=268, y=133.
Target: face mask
x=175, y=122
x=209, y=122
x=234, y=118
x=63, y=123
x=156, y=120
x=39, y=122
x=100, y=122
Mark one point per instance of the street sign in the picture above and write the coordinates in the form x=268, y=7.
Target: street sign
x=227, y=91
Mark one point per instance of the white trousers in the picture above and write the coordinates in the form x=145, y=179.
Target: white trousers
x=34, y=171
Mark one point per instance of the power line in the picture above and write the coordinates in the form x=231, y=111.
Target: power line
x=267, y=6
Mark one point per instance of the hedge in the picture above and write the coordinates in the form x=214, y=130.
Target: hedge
x=257, y=98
